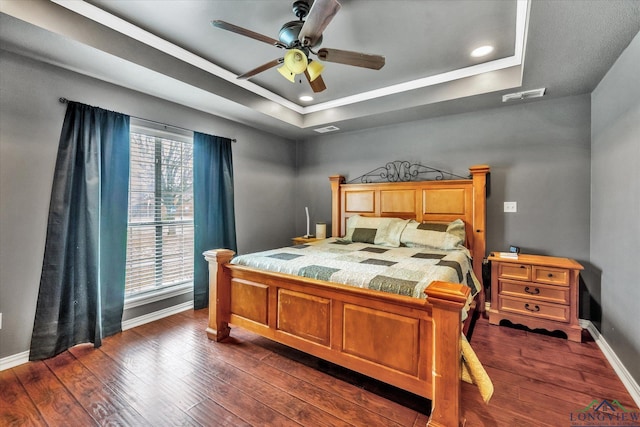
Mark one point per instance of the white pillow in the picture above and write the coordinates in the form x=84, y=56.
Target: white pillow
x=375, y=230
x=436, y=235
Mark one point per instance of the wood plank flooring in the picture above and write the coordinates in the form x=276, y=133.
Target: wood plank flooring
x=167, y=373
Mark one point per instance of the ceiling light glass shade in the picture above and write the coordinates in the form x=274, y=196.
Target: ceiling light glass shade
x=287, y=74
x=314, y=69
x=296, y=61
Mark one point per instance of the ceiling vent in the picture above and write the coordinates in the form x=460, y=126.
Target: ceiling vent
x=534, y=93
x=326, y=129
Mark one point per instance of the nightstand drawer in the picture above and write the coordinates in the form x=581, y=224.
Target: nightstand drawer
x=514, y=271
x=529, y=307
x=552, y=276
x=535, y=291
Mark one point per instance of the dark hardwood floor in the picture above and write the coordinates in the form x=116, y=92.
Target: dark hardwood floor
x=167, y=373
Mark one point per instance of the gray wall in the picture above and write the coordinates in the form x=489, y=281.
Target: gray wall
x=615, y=204
x=539, y=153
x=30, y=122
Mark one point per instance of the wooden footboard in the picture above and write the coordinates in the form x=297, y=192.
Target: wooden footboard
x=407, y=342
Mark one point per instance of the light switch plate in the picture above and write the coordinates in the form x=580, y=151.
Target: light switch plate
x=511, y=206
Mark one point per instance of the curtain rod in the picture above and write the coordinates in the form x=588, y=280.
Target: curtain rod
x=65, y=100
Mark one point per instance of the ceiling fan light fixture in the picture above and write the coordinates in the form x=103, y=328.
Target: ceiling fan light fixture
x=296, y=61
x=314, y=69
x=287, y=74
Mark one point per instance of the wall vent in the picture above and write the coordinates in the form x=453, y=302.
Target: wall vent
x=534, y=93
x=326, y=129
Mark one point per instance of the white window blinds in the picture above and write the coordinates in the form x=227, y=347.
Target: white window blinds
x=160, y=224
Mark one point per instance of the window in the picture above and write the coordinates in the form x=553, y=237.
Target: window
x=160, y=223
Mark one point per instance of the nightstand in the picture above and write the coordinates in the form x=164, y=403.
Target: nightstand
x=302, y=240
x=537, y=292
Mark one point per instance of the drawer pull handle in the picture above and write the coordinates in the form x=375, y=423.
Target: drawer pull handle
x=550, y=275
x=534, y=309
x=522, y=266
x=535, y=291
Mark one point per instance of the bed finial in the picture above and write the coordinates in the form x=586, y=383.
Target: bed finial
x=336, y=221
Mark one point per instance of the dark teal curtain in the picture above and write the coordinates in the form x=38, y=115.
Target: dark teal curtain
x=214, y=215
x=81, y=293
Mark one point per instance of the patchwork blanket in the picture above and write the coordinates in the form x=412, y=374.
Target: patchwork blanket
x=402, y=270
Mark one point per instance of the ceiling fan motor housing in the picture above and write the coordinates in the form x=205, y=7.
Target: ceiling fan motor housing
x=289, y=33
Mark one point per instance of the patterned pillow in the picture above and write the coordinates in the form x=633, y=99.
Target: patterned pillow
x=375, y=230
x=436, y=235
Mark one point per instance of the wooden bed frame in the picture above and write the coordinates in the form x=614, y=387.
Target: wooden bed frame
x=410, y=343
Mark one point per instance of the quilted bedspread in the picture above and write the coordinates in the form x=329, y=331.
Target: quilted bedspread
x=402, y=270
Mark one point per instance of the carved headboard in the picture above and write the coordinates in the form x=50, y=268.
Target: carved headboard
x=436, y=200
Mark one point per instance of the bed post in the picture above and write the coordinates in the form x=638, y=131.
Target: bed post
x=219, y=293
x=336, y=220
x=479, y=174
x=448, y=300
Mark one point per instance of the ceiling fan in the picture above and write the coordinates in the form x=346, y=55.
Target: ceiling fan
x=300, y=38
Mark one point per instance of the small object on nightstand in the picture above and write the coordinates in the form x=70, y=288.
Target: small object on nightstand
x=537, y=292
x=304, y=239
x=510, y=255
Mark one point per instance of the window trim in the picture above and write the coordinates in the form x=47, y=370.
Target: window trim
x=156, y=295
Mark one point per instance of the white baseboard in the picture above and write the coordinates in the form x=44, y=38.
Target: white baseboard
x=632, y=386
x=156, y=315
x=20, y=358
x=14, y=360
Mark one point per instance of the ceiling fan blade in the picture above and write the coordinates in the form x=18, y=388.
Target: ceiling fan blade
x=247, y=33
x=263, y=67
x=357, y=59
x=320, y=15
x=317, y=85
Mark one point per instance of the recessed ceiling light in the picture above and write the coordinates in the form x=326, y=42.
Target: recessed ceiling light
x=481, y=51
x=306, y=98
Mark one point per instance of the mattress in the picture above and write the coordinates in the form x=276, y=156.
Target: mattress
x=402, y=270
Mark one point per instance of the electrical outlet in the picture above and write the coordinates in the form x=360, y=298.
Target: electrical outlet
x=511, y=206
